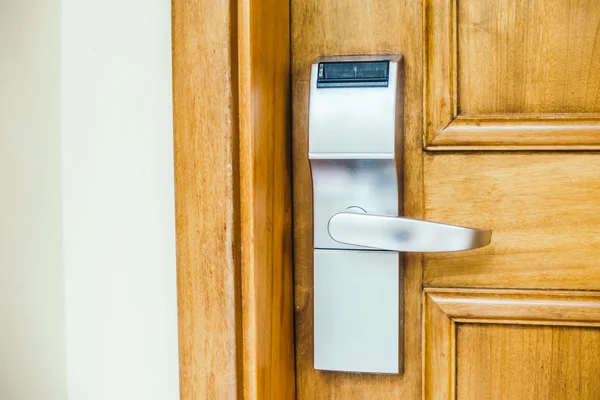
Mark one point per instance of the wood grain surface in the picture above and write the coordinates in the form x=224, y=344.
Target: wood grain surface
x=512, y=75
x=338, y=27
x=528, y=57
x=543, y=209
x=504, y=132
x=231, y=100
x=233, y=199
x=266, y=199
x=527, y=362
x=439, y=352
x=536, y=307
x=206, y=182
x=496, y=344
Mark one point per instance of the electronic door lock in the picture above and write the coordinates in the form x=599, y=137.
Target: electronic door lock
x=355, y=152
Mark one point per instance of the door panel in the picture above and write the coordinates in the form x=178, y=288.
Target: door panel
x=528, y=362
x=489, y=344
x=543, y=209
x=527, y=57
x=512, y=74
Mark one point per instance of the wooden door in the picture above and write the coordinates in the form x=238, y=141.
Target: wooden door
x=502, y=130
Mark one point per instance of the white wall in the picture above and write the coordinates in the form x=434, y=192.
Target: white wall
x=87, y=256
x=32, y=315
x=118, y=212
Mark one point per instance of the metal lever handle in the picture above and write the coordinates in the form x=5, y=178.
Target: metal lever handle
x=404, y=234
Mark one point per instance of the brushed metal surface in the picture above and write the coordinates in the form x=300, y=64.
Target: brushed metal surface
x=341, y=184
x=356, y=317
x=404, y=234
x=347, y=121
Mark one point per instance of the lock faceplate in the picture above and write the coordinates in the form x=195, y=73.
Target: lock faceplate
x=355, y=138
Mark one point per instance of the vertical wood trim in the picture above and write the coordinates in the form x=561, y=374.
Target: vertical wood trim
x=453, y=55
x=440, y=77
x=233, y=198
x=266, y=207
x=205, y=131
x=249, y=353
x=439, y=352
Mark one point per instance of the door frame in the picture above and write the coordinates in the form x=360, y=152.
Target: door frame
x=231, y=100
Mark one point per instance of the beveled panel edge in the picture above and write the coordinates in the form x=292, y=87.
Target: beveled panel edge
x=439, y=352
x=439, y=64
x=525, y=133
x=518, y=306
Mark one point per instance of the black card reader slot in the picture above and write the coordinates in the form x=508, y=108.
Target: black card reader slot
x=353, y=74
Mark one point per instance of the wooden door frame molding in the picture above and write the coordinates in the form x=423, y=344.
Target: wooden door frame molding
x=231, y=99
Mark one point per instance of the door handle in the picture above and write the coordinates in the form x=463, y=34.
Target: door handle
x=404, y=234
